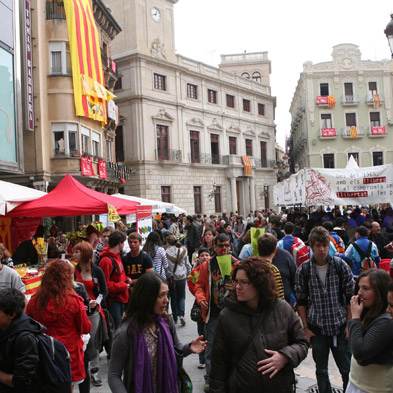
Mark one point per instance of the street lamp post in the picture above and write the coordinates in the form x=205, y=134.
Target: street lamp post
x=389, y=34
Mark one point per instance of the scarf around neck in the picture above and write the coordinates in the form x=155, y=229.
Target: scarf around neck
x=166, y=362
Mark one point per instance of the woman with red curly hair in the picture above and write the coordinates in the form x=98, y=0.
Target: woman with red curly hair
x=57, y=306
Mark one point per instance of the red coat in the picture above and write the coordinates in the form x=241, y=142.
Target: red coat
x=66, y=325
x=115, y=279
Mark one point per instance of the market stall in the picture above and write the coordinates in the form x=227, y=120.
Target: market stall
x=157, y=206
x=352, y=185
x=71, y=198
x=68, y=198
x=12, y=195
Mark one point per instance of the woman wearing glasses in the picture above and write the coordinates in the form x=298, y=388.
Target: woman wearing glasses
x=259, y=339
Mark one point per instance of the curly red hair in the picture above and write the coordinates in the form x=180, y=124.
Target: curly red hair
x=57, y=282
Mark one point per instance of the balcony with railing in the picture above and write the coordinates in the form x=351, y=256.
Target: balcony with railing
x=264, y=163
x=374, y=99
x=377, y=131
x=328, y=133
x=349, y=100
x=55, y=10
x=352, y=132
x=110, y=71
x=168, y=155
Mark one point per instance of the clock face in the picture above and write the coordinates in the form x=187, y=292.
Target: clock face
x=156, y=14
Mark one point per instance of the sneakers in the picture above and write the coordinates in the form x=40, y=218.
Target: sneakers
x=182, y=322
x=201, y=366
x=95, y=379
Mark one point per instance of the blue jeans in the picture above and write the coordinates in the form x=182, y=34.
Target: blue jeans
x=210, y=331
x=178, y=298
x=116, y=310
x=321, y=346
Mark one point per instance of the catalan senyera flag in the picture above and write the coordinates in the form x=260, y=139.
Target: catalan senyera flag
x=90, y=95
x=247, y=166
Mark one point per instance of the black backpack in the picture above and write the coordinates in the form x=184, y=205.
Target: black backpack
x=55, y=367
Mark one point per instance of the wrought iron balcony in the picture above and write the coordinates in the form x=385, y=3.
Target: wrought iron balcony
x=352, y=132
x=264, y=163
x=349, y=100
x=169, y=155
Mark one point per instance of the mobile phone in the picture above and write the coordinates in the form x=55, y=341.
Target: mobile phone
x=99, y=299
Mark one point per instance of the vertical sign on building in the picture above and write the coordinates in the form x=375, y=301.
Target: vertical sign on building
x=29, y=117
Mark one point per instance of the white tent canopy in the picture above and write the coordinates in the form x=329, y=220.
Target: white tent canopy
x=158, y=206
x=12, y=195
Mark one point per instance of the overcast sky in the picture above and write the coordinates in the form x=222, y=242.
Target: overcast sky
x=291, y=31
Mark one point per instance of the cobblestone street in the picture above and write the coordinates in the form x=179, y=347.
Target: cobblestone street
x=305, y=372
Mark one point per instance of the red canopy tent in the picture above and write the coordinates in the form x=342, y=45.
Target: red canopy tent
x=71, y=198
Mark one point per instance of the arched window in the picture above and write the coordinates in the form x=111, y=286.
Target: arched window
x=246, y=75
x=256, y=77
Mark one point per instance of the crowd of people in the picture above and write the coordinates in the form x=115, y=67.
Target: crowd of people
x=319, y=279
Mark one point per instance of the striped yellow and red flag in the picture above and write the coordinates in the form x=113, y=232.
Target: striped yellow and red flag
x=90, y=95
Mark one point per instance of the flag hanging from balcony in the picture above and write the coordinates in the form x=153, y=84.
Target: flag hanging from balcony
x=247, y=166
x=90, y=95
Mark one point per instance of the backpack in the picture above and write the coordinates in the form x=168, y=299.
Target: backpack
x=340, y=249
x=300, y=252
x=55, y=367
x=366, y=261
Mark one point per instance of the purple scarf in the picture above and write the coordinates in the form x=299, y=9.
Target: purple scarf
x=166, y=362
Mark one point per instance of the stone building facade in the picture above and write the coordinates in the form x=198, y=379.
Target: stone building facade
x=60, y=139
x=340, y=108
x=186, y=126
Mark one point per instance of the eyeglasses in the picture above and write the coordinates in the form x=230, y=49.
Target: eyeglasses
x=222, y=245
x=241, y=283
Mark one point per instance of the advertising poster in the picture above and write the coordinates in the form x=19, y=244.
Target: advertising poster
x=144, y=221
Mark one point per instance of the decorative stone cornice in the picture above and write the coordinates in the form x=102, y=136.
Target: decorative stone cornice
x=215, y=126
x=264, y=135
x=249, y=132
x=195, y=122
x=234, y=129
x=162, y=115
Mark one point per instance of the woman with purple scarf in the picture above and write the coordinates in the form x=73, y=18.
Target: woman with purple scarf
x=144, y=350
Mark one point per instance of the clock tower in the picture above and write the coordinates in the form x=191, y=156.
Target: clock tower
x=147, y=27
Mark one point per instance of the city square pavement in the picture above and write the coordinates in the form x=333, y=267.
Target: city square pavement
x=305, y=372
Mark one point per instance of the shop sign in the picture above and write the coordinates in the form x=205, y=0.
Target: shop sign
x=29, y=117
x=101, y=166
x=87, y=166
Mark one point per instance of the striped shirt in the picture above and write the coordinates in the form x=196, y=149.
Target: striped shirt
x=160, y=262
x=278, y=282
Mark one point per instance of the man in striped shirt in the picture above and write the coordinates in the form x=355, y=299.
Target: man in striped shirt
x=267, y=245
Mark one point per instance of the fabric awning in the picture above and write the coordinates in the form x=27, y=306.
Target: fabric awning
x=71, y=198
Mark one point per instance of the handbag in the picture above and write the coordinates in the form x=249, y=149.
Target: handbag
x=183, y=379
x=195, y=313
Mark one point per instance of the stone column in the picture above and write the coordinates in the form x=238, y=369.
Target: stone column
x=234, y=194
x=252, y=194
